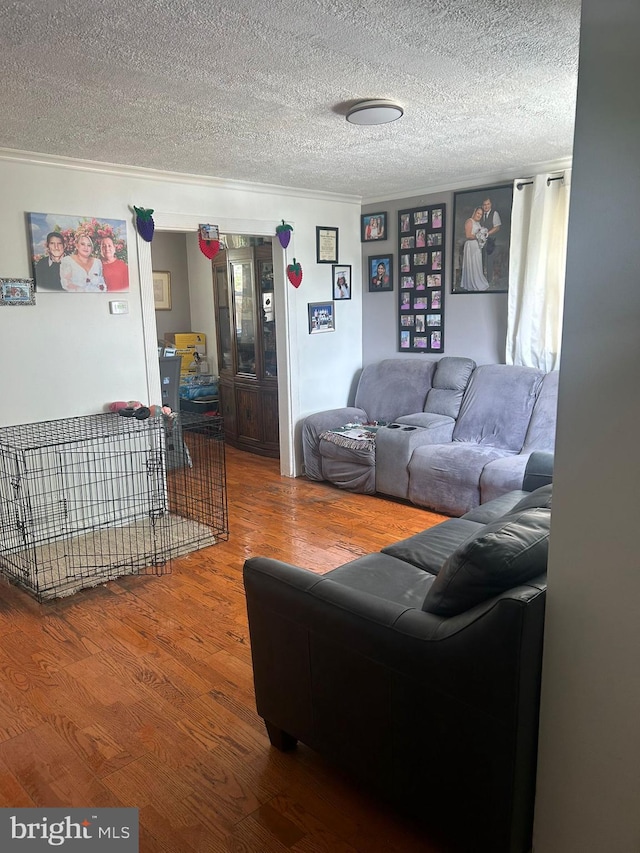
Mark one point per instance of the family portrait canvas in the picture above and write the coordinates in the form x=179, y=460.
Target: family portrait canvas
x=481, y=239
x=78, y=254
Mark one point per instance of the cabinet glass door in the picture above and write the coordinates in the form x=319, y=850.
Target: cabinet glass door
x=244, y=312
x=224, y=317
x=268, y=319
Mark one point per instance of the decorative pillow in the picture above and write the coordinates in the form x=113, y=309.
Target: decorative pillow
x=504, y=554
x=538, y=499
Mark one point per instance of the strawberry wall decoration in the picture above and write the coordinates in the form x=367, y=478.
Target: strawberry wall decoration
x=283, y=233
x=209, y=240
x=209, y=248
x=144, y=223
x=294, y=273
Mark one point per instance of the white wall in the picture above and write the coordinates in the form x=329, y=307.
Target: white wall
x=203, y=318
x=589, y=761
x=68, y=356
x=475, y=325
x=169, y=253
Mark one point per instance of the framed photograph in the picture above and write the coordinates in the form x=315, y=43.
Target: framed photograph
x=208, y=232
x=341, y=281
x=265, y=273
x=321, y=317
x=17, y=291
x=326, y=245
x=373, y=226
x=162, y=290
x=380, y=273
x=78, y=254
x=481, y=238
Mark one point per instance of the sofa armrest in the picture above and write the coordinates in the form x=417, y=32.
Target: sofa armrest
x=318, y=423
x=539, y=471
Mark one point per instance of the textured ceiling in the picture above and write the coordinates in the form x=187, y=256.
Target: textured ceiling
x=257, y=91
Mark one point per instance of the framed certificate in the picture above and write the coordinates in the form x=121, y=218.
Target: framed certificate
x=326, y=245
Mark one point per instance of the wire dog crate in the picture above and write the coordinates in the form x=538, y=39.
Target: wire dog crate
x=88, y=499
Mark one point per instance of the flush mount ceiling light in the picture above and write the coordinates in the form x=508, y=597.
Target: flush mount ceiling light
x=374, y=112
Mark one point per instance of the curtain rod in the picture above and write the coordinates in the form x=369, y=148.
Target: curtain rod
x=522, y=184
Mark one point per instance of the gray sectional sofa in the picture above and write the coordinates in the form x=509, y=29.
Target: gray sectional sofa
x=455, y=435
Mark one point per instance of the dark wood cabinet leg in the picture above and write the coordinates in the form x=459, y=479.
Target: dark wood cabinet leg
x=280, y=739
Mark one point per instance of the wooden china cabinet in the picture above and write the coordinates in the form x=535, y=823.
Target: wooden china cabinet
x=246, y=326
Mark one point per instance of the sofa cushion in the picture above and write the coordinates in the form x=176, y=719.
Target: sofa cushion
x=428, y=420
x=504, y=554
x=541, y=432
x=393, y=387
x=494, y=509
x=446, y=477
x=539, y=499
x=497, y=406
x=429, y=549
x=385, y=576
x=449, y=382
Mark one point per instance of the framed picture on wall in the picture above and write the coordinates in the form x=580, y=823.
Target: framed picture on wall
x=162, y=290
x=321, y=316
x=373, y=226
x=17, y=291
x=341, y=274
x=78, y=254
x=481, y=240
x=380, y=269
x=326, y=245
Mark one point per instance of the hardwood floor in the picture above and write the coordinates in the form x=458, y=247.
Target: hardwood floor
x=139, y=692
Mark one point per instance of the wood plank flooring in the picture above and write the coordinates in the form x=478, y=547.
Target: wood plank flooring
x=140, y=693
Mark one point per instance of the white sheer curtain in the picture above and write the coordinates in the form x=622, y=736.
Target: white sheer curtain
x=536, y=270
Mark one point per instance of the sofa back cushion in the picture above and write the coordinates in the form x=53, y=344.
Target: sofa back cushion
x=504, y=554
x=450, y=380
x=541, y=434
x=538, y=499
x=394, y=387
x=497, y=406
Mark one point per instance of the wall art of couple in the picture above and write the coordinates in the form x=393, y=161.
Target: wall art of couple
x=78, y=254
x=482, y=234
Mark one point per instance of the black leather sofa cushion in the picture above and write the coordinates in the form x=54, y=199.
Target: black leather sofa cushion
x=540, y=499
x=506, y=553
x=429, y=549
x=496, y=508
x=386, y=577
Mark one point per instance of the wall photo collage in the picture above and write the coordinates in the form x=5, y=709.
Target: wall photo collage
x=421, y=235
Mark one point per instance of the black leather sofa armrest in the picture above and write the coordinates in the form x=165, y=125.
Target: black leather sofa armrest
x=539, y=471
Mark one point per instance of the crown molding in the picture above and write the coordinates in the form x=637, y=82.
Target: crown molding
x=140, y=172
x=471, y=181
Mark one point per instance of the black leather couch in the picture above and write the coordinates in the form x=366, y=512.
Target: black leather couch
x=418, y=668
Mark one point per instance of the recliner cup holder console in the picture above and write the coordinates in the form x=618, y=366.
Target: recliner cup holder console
x=401, y=426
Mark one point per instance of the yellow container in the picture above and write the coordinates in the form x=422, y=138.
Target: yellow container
x=184, y=340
